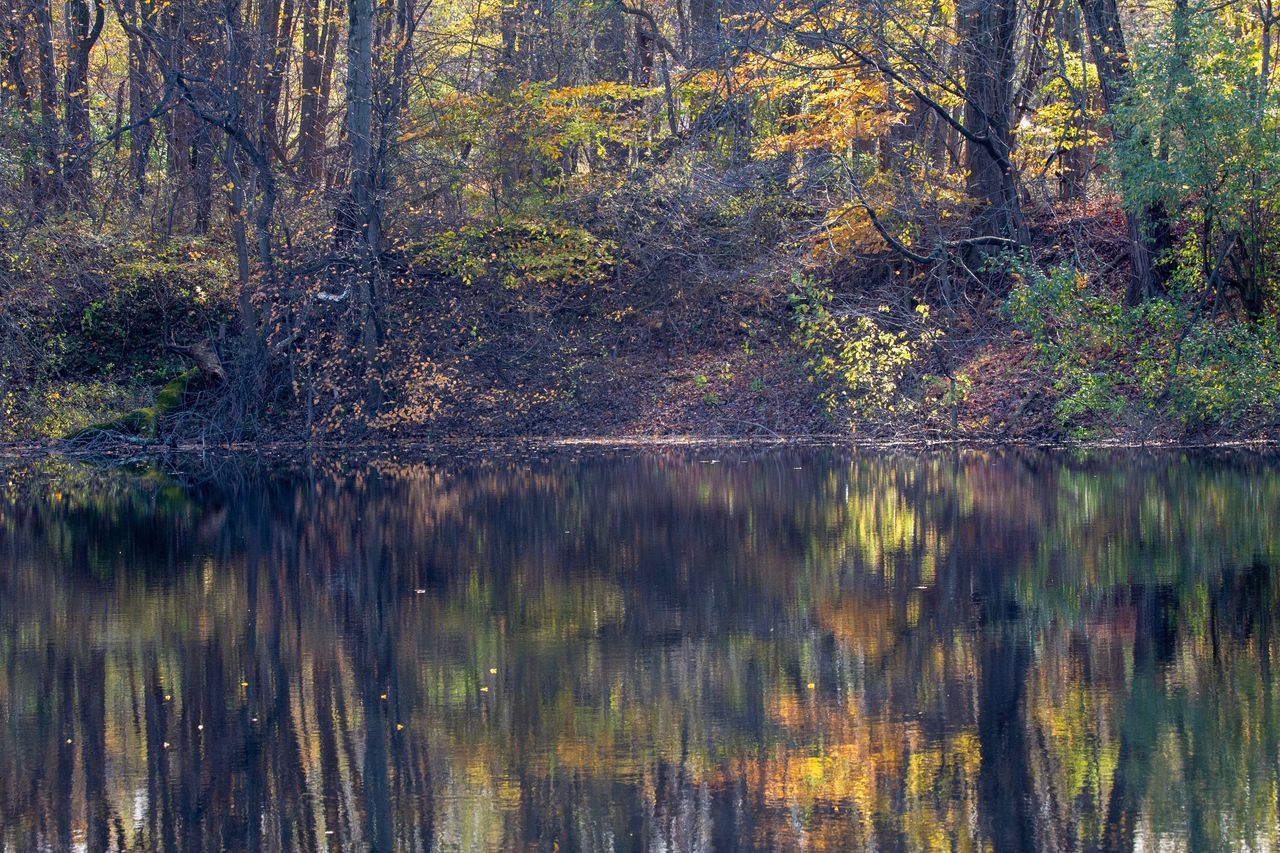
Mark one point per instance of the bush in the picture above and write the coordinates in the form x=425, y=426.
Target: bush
x=103, y=305
x=87, y=317
x=517, y=254
x=860, y=359
x=1167, y=357
x=55, y=410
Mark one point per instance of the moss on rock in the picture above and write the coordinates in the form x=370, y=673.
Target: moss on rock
x=144, y=420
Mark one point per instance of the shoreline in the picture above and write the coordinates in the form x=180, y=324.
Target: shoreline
x=115, y=448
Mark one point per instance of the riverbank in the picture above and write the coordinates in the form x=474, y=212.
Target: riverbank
x=475, y=347
x=112, y=448
x=674, y=395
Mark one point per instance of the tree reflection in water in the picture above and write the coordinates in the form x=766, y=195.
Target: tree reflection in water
x=800, y=648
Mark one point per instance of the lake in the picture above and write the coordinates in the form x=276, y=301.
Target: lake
x=662, y=649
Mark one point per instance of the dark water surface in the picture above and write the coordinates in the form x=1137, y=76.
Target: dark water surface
x=670, y=650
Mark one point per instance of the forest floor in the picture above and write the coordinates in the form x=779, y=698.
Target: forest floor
x=648, y=358
x=721, y=358
x=738, y=376
x=721, y=388
x=728, y=368
x=712, y=387
x=711, y=394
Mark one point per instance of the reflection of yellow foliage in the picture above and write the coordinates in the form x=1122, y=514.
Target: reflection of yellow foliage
x=847, y=780
x=865, y=626
x=828, y=769
x=942, y=795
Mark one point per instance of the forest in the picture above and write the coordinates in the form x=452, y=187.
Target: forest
x=247, y=220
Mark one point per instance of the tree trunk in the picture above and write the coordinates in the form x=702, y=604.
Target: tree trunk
x=50, y=187
x=276, y=31
x=140, y=99
x=1252, y=278
x=360, y=202
x=84, y=25
x=190, y=147
x=704, y=40
x=310, y=124
x=1073, y=161
x=329, y=45
x=202, y=156
x=360, y=218
x=609, y=62
x=14, y=17
x=1148, y=228
x=989, y=30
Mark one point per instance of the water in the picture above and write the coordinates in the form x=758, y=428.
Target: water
x=679, y=650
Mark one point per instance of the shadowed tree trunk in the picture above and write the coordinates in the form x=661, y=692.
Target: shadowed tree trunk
x=275, y=33
x=1250, y=257
x=359, y=203
x=15, y=19
x=50, y=187
x=84, y=26
x=609, y=62
x=141, y=97
x=189, y=139
x=318, y=42
x=704, y=40
x=1073, y=162
x=359, y=218
x=989, y=30
x=1148, y=228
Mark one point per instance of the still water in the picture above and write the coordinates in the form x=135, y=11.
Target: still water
x=667, y=650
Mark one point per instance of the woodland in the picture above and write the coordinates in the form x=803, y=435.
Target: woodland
x=247, y=220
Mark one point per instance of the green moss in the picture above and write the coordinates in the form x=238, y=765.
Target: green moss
x=144, y=420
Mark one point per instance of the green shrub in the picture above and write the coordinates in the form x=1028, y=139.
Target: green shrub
x=1168, y=356
x=519, y=254
x=52, y=411
x=859, y=359
x=103, y=305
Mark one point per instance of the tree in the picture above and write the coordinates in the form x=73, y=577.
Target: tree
x=1148, y=226
x=989, y=32
x=84, y=26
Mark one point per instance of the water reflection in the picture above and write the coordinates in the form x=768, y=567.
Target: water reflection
x=674, y=650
